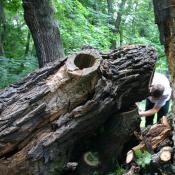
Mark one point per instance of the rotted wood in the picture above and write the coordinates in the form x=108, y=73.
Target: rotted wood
x=43, y=116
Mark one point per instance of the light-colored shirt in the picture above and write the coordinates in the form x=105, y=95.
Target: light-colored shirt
x=163, y=80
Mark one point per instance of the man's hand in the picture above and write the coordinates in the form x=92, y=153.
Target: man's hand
x=149, y=112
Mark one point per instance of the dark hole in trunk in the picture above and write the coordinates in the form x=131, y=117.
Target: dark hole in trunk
x=84, y=61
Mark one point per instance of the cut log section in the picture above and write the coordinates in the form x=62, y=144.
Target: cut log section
x=43, y=116
x=164, y=155
x=130, y=156
x=89, y=163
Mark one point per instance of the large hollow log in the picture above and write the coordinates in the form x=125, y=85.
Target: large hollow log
x=45, y=115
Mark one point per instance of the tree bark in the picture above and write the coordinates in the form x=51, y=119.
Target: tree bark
x=44, y=117
x=39, y=17
x=164, y=18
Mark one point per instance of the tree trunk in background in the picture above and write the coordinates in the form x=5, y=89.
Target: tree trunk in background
x=27, y=44
x=2, y=28
x=117, y=21
x=110, y=11
x=164, y=18
x=39, y=17
x=119, y=15
x=54, y=115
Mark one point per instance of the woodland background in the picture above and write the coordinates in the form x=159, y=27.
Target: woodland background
x=103, y=24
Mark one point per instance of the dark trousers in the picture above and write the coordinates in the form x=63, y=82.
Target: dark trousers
x=162, y=112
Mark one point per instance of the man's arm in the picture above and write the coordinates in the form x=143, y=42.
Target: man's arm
x=149, y=112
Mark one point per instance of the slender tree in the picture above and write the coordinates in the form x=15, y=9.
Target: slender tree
x=164, y=18
x=2, y=28
x=110, y=11
x=117, y=22
x=27, y=44
x=39, y=16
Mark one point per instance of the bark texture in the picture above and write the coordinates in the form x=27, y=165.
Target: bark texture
x=39, y=17
x=44, y=117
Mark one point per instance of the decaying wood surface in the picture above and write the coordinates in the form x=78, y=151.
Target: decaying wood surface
x=45, y=115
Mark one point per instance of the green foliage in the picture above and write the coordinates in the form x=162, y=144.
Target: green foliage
x=143, y=158
x=95, y=173
x=13, y=70
x=82, y=25
x=81, y=22
x=119, y=170
x=85, y=22
x=15, y=30
x=14, y=65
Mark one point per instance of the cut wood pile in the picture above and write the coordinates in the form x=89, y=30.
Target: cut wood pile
x=158, y=140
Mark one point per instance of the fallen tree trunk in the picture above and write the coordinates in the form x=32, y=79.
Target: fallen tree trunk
x=43, y=117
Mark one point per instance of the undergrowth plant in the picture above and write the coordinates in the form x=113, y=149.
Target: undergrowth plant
x=143, y=158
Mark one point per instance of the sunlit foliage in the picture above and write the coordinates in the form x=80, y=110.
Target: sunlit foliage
x=81, y=22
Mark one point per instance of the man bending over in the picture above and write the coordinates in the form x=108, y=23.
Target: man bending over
x=158, y=101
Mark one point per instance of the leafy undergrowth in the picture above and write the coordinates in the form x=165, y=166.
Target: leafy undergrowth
x=13, y=70
x=143, y=159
